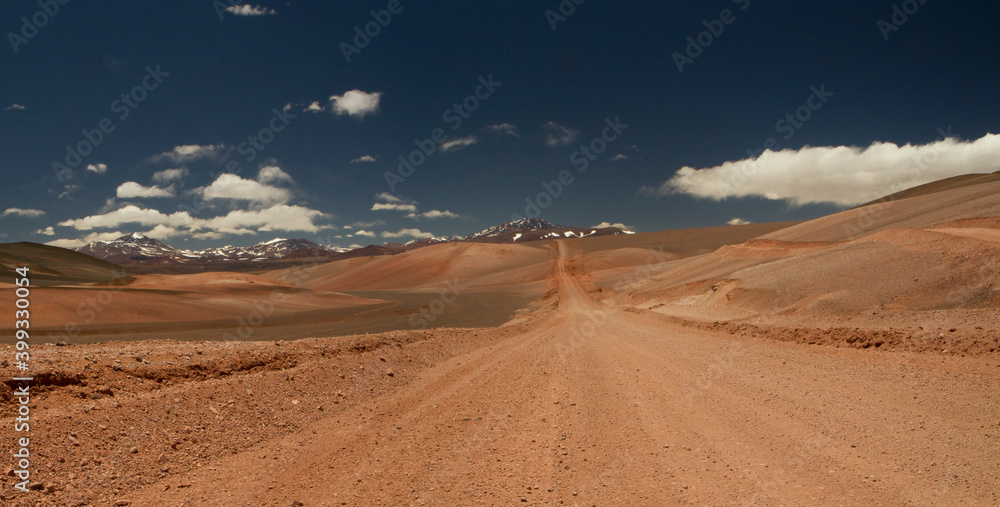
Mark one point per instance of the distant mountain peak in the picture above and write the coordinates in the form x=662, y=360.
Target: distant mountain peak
x=271, y=242
x=519, y=225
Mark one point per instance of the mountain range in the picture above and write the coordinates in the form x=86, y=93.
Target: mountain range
x=137, y=250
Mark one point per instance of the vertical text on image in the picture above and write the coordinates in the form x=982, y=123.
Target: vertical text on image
x=22, y=391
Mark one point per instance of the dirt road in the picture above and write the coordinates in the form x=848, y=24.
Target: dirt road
x=603, y=406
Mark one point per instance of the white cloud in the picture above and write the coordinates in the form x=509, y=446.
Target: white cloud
x=407, y=233
x=250, y=10
x=313, y=108
x=163, y=232
x=458, y=144
x=432, y=214
x=276, y=218
x=387, y=197
x=207, y=235
x=504, y=129
x=605, y=225
x=365, y=233
x=391, y=203
x=48, y=231
x=15, y=107
x=839, y=175
x=619, y=157
x=23, y=213
x=356, y=103
x=131, y=189
x=232, y=187
x=364, y=158
x=738, y=221
x=373, y=223
x=97, y=168
x=169, y=175
x=382, y=206
x=556, y=135
x=130, y=214
x=189, y=152
x=273, y=174
x=90, y=238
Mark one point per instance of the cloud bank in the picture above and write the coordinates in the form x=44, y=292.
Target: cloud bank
x=839, y=175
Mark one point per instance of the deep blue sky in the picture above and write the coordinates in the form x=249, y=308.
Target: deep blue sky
x=605, y=60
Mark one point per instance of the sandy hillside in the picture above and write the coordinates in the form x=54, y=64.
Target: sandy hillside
x=579, y=403
x=926, y=264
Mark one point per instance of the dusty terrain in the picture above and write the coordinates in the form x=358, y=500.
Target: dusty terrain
x=799, y=365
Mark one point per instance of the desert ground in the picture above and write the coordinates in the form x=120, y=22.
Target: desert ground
x=848, y=360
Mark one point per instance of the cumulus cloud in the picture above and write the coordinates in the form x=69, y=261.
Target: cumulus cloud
x=273, y=174
x=169, y=175
x=280, y=217
x=621, y=157
x=15, y=107
x=839, y=175
x=356, y=103
x=392, y=206
x=313, y=108
x=391, y=202
x=276, y=218
x=190, y=152
x=432, y=214
x=48, y=231
x=23, y=213
x=458, y=144
x=407, y=233
x=503, y=130
x=90, y=238
x=557, y=135
x=363, y=158
x=131, y=189
x=387, y=197
x=362, y=232
x=249, y=10
x=738, y=221
x=163, y=232
x=605, y=225
x=97, y=168
x=130, y=214
x=229, y=186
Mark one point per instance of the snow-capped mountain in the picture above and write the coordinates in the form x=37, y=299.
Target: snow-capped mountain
x=135, y=248
x=536, y=229
x=519, y=225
